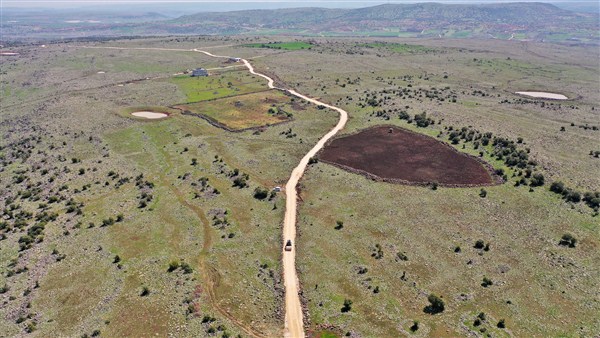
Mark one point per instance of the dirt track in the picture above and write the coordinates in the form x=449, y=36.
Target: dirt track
x=293, y=313
x=294, y=325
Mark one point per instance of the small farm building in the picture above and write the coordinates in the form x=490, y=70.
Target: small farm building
x=199, y=72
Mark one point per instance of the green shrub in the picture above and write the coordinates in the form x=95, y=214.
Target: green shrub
x=402, y=256
x=4, y=289
x=480, y=244
x=415, y=326
x=174, y=265
x=568, y=240
x=347, y=305
x=186, y=268
x=436, y=305
x=557, y=187
x=145, y=291
x=260, y=193
x=537, y=180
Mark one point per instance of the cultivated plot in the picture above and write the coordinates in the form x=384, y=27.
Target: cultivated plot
x=244, y=111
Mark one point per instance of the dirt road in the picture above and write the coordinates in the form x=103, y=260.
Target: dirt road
x=293, y=308
x=294, y=325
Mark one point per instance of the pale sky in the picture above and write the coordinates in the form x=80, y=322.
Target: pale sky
x=271, y=3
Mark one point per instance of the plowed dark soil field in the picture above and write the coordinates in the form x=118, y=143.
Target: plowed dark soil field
x=405, y=157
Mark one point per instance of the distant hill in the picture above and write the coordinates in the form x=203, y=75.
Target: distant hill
x=531, y=21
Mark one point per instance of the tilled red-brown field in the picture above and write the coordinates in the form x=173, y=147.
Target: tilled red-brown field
x=404, y=156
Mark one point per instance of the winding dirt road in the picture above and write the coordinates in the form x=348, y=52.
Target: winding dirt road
x=294, y=325
x=293, y=308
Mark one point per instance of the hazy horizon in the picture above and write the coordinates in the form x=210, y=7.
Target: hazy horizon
x=233, y=5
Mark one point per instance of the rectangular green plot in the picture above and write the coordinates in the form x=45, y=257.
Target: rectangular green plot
x=202, y=88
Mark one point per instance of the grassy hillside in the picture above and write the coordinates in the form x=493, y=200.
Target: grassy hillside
x=114, y=225
x=523, y=21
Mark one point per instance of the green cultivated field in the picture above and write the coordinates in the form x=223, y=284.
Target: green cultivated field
x=116, y=226
x=224, y=84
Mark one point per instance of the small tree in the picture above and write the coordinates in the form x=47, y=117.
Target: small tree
x=573, y=196
x=347, y=305
x=486, y=282
x=436, y=305
x=240, y=182
x=480, y=244
x=415, y=326
x=260, y=193
x=557, y=187
x=537, y=180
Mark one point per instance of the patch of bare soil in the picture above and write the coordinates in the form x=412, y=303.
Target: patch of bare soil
x=149, y=115
x=398, y=155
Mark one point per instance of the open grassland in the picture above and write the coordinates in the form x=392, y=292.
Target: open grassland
x=245, y=111
x=398, y=244
x=98, y=206
x=366, y=256
x=111, y=220
x=401, y=48
x=296, y=45
x=119, y=61
x=481, y=79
